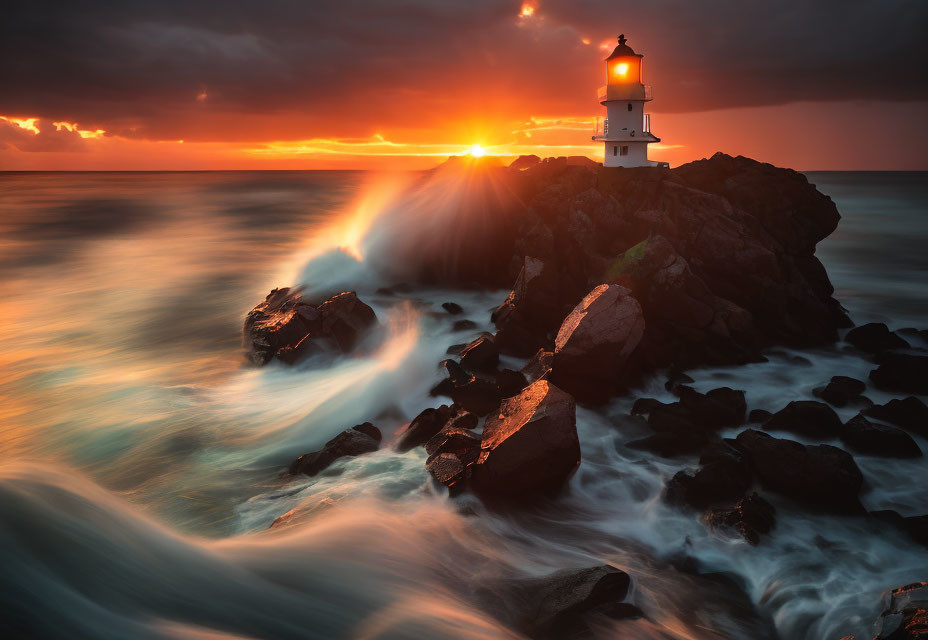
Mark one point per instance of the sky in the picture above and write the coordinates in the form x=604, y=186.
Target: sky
x=403, y=84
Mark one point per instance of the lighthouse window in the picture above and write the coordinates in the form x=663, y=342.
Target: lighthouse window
x=624, y=150
x=629, y=106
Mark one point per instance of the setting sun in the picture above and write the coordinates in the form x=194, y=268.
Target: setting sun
x=477, y=151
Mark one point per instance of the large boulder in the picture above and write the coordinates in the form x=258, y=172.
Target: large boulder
x=874, y=337
x=821, y=475
x=841, y=390
x=288, y=328
x=876, y=439
x=595, y=341
x=360, y=439
x=530, y=445
x=424, y=426
x=808, y=418
x=480, y=354
x=909, y=413
x=531, y=311
x=899, y=371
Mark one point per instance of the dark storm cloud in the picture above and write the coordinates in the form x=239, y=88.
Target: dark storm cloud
x=136, y=68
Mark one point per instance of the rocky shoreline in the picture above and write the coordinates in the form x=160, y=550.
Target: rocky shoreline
x=617, y=275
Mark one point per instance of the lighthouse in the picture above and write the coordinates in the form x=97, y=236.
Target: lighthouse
x=626, y=131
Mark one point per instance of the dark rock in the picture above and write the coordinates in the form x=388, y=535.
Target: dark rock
x=910, y=413
x=530, y=445
x=480, y=354
x=595, y=341
x=874, y=337
x=722, y=480
x=759, y=416
x=675, y=380
x=722, y=407
x=670, y=444
x=673, y=418
x=643, y=406
x=451, y=452
x=530, y=312
x=524, y=162
x=904, y=614
x=510, y=382
x=363, y=438
x=806, y=417
x=452, y=307
x=822, y=476
x=478, y=396
x=423, y=427
x=751, y=516
x=464, y=325
x=287, y=327
x=903, y=372
x=841, y=390
x=455, y=349
x=864, y=436
x=539, y=365
x=915, y=526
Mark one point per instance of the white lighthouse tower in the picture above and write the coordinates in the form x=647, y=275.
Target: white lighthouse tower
x=626, y=131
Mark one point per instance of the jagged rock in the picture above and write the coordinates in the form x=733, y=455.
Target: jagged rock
x=452, y=307
x=903, y=372
x=751, y=516
x=874, y=337
x=524, y=162
x=910, y=413
x=872, y=439
x=287, y=327
x=530, y=445
x=539, y=365
x=474, y=394
x=806, y=417
x=531, y=310
x=759, y=416
x=363, y=438
x=455, y=349
x=904, y=614
x=644, y=406
x=510, y=382
x=480, y=354
x=451, y=452
x=675, y=380
x=423, y=427
x=464, y=325
x=841, y=390
x=821, y=475
x=595, y=341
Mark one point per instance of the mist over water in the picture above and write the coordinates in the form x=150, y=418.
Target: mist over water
x=141, y=458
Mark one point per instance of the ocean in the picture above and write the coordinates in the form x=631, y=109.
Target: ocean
x=141, y=457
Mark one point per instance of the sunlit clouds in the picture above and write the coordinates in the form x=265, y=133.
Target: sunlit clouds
x=23, y=123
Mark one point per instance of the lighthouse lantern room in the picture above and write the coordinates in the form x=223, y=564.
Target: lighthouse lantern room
x=626, y=130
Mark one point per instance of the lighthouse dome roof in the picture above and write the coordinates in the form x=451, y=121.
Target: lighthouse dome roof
x=623, y=49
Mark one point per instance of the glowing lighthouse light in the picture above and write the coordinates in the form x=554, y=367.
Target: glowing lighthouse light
x=626, y=130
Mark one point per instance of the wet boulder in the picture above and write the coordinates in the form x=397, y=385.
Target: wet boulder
x=424, y=426
x=480, y=354
x=751, y=517
x=644, y=406
x=539, y=365
x=909, y=413
x=452, y=307
x=530, y=445
x=905, y=372
x=841, y=390
x=904, y=613
x=876, y=439
x=719, y=408
x=822, y=476
x=759, y=416
x=808, y=418
x=287, y=327
x=360, y=439
x=874, y=338
x=531, y=311
x=595, y=341
x=721, y=480
x=477, y=395
x=510, y=382
x=451, y=453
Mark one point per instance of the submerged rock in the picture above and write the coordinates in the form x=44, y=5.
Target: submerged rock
x=595, y=341
x=723, y=479
x=452, y=307
x=286, y=327
x=360, y=439
x=751, y=516
x=821, y=475
x=530, y=445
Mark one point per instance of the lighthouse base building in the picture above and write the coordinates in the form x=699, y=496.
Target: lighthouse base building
x=626, y=130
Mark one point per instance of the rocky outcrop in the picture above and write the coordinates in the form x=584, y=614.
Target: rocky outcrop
x=529, y=446
x=595, y=341
x=904, y=614
x=360, y=439
x=288, y=328
x=821, y=475
x=531, y=312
